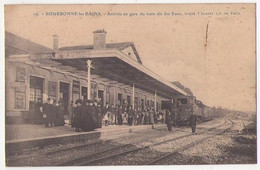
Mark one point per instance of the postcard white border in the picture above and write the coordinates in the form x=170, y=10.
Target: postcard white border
x=2, y=80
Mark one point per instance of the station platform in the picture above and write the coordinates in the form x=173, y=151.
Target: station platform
x=24, y=136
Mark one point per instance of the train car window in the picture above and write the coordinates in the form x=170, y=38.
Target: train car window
x=183, y=100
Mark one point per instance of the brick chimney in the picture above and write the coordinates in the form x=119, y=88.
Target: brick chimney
x=99, y=39
x=55, y=42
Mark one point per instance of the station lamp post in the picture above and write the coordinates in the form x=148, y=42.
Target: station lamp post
x=155, y=100
x=89, y=65
x=133, y=96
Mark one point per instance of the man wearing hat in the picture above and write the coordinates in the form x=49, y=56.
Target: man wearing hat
x=86, y=120
x=93, y=114
x=47, y=109
x=77, y=114
x=37, y=116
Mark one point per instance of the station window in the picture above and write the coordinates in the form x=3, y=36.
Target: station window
x=84, y=92
x=136, y=102
x=75, y=90
x=152, y=103
x=20, y=101
x=52, y=87
x=64, y=95
x=36, y=89
x=128, y=100
x=101, y=97
x=108, y=88
x=20, y=74
x=93, y=90
x=120, y=98
x=142, y=103
x=108, y=97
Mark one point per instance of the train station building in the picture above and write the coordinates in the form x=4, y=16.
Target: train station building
x=111, y=73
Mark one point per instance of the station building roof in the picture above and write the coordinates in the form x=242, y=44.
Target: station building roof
x=117, y=63
x=15, y=45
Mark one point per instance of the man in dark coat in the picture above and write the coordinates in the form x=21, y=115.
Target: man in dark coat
x=88, y=121
x=38, y=111
x=93, y=114
x=168, y=120
x=193, y=122
x=135, y=116
x=151, y=114
x=113, y=114
x=106, y=114
x=85, y=122
x=116, y=114
x=77, y=115
x=60, y=114
x=146, y=117
x=130, y=116
x=138, y=120
x=120, y=118
x=142, y=113
x=53, y=115
x=173, y=118
x=70, y=112
x=47, y=109
x=99, y=116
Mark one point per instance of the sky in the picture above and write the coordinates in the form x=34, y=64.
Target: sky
x=211, y=52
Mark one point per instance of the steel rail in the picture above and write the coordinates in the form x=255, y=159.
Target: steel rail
x=71, y=148
x=125, y=137
x=78, y=147
x=85, y=159
x=188, y=146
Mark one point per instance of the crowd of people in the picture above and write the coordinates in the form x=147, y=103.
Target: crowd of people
x=50, y=113
x=87, y=115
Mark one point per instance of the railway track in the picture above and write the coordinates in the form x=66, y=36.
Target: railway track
x=120, y=151
x=27, y=152
x=100, y=143
x=155, y=161
x=22, y=158
x=97, y=143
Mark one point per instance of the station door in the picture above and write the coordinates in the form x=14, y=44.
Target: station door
x=64, y=95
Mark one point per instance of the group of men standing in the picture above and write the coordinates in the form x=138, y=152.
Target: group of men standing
x=50, y=113
x=87, y=115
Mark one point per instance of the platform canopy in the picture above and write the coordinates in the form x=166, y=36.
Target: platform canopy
x=114, y=67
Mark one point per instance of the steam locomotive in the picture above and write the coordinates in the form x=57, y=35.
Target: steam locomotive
x=183, y=106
